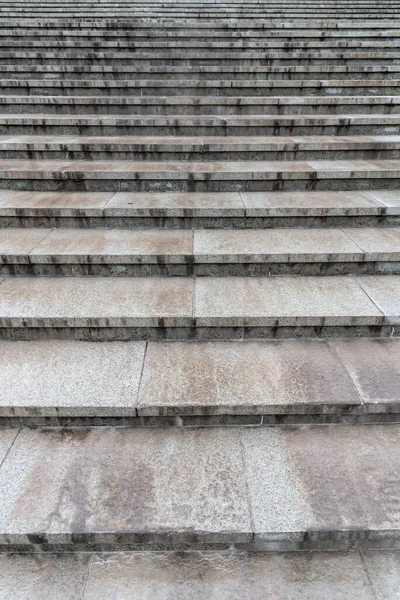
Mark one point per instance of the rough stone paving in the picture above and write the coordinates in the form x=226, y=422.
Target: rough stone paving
x=199, y=299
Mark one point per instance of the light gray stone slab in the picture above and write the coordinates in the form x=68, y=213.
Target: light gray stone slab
x=7, y=437
x=228, y=576
x=61, y=203
x=243, y=378
x=385, y=292
x=40, y=576
x=177, y=204
x=374, y=366
x=389, y=198
x=383, y=569
x=170, y=485
x=282, y=301
x=323, y=480
x=259, y=204
x=95, y=301
x=377, y=243
x=113, y=246
x=15, y=244
x=274, y=245
x=68, y=378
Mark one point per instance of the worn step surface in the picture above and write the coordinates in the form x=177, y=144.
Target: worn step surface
x=206, y=307
x=216, y=252
x=219, y=575
x=253, y=383
x=264, y=489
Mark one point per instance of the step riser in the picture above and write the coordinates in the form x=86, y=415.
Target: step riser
x=201, y=155
x=195, y=110
x=112, y=334
x=64, y=183
x=198, y=130
x=224, y=91
x=251, y=269
x=188, y=61
x=199, y=222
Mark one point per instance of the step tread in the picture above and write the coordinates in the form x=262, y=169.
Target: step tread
x=201, y=302
x=105, y=246
x=324, y=488
x=217, y=575
x=181, y=204
x=56, y=378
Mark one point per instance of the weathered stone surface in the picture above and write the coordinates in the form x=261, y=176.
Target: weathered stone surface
x=149, y=485
x=377, y=243
x=39, y=576
x=228, y=576
x=68, y=378
x=333, y=483
x=374, y=366
x=283, y=301
x=383, y=568
x=243, y=378
x=385, y=292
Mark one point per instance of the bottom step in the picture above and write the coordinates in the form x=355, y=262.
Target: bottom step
x=276, y=489
x=199, y=575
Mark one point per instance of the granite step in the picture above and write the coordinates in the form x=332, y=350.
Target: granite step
x=217, y=72
x=217, y=489
x=218, y=575
x=200, y=105
x=196, y=210
x=202, y=176
x=159, y=308
x=199, y=125
x=218, y=252
x=198, y=149
x=193, y=87
x=58, y=383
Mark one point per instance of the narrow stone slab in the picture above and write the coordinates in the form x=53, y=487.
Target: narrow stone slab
x=33, y=577
x=70, y=379
x=377, y=243
x=279, y=301
x=113, y=246
x=96, y=302
x=333, y=483
x=53, y=203
x=147, y=486
x=383, y=568
x=261, y=204
x=207, y=378
x=283, y=245
x=385, y=292
x=390, y=199
x=374, y=366
x=15, y=244
x=230, y=576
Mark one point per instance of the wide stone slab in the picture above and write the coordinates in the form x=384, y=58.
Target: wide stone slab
x=243, y=378
x=156, y=486
x=309, y=488
x=95, y=302
x=66, y=378
x=279, y=301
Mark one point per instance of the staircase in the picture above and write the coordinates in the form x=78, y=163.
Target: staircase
x=200, y=299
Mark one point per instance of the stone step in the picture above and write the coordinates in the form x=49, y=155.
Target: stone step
x=200, y=148
x=184, y=176
x=217, y=72
x=159, y=308
x=181, y=252
x=199, y=125
x=56, y=383
x=215, y=58
x=63, y=13
x=193, y=87
x=171, y=489
x=195, y=210
x=218, y=575
x=200, y=105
